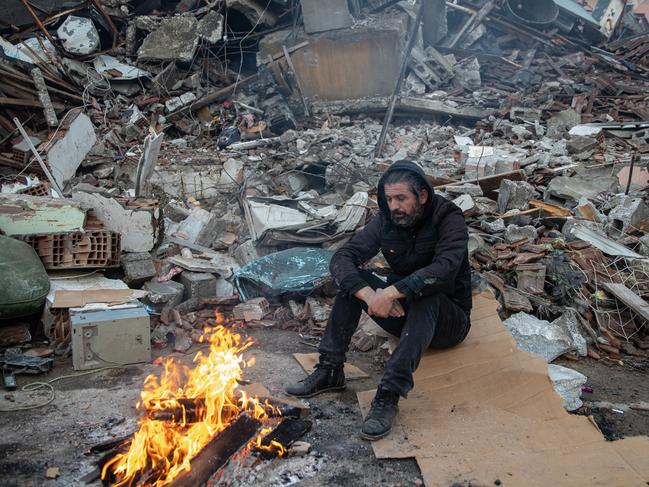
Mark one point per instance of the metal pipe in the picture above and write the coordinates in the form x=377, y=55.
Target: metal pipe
x=402, y=74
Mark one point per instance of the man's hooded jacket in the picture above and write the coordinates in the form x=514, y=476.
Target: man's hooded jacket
x=428, y=258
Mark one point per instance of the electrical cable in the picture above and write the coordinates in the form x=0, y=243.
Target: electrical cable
x=37, y=385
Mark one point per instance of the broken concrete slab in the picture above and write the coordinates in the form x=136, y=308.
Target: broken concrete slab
x=580, y=144
x=210, y=27
x=323, y=16
x=514, y=195
x=589, y=184
x=138, y=221
x=138, y=268
x=495, y=226
x=465, y=203
x=65, y=154
x=570, y=322
x=562, y=122
x=78, y=35
x=199, y=181
x=539, y=337
x=567, y=383
x=176, y=39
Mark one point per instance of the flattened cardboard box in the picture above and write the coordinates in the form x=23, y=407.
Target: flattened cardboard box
x=486, y=411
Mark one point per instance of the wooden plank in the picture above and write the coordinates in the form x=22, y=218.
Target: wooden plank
x=553, y=210
x=218, y=451
x=629, y=298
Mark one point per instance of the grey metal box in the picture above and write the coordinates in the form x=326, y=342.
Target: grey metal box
x=104, y=337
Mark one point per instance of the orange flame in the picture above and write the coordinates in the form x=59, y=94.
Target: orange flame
x=199, y=403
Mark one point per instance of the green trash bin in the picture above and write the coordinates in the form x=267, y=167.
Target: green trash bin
x=23, y=281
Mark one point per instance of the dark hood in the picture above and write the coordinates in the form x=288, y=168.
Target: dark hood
x=413, y=167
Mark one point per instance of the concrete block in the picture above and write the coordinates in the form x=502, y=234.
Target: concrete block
x=163, y=295
x=198, y=285
x=78, y=35
x=514, y=195
x=200, y=227
x=138, y=268
x=628, y=216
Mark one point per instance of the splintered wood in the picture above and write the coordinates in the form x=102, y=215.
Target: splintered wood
x=486, y=411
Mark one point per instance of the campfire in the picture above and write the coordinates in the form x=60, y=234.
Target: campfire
x=187, y=409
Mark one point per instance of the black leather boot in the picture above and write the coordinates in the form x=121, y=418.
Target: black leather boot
x=325, y=378
x=378, y=422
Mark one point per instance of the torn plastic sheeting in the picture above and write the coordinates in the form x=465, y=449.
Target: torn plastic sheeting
x=539, y=337
x=277, y=220
x=567, y=383
x=297, y=270
x=562, y=276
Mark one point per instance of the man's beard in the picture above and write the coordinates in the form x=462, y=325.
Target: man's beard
x=407, y=220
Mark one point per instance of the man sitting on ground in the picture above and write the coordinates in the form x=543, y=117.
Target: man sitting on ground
x=426, y=301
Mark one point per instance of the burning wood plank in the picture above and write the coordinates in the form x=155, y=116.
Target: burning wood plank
x=217, y=452
x=195, y=419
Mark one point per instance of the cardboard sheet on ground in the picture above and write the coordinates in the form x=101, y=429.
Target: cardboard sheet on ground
x=486, y=411
x=309, y=360
x=80, y=298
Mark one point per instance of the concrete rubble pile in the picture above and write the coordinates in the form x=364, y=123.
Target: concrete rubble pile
x=185, y=147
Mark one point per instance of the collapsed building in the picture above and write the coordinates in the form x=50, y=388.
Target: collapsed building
x=168, y=162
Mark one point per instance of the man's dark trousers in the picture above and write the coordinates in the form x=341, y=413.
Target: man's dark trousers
x=430, y=321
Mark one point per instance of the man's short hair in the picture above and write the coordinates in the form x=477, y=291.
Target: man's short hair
x=415, y=183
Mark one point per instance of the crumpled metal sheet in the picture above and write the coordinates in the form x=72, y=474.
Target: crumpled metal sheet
x=567, y=383
x=297, y=270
